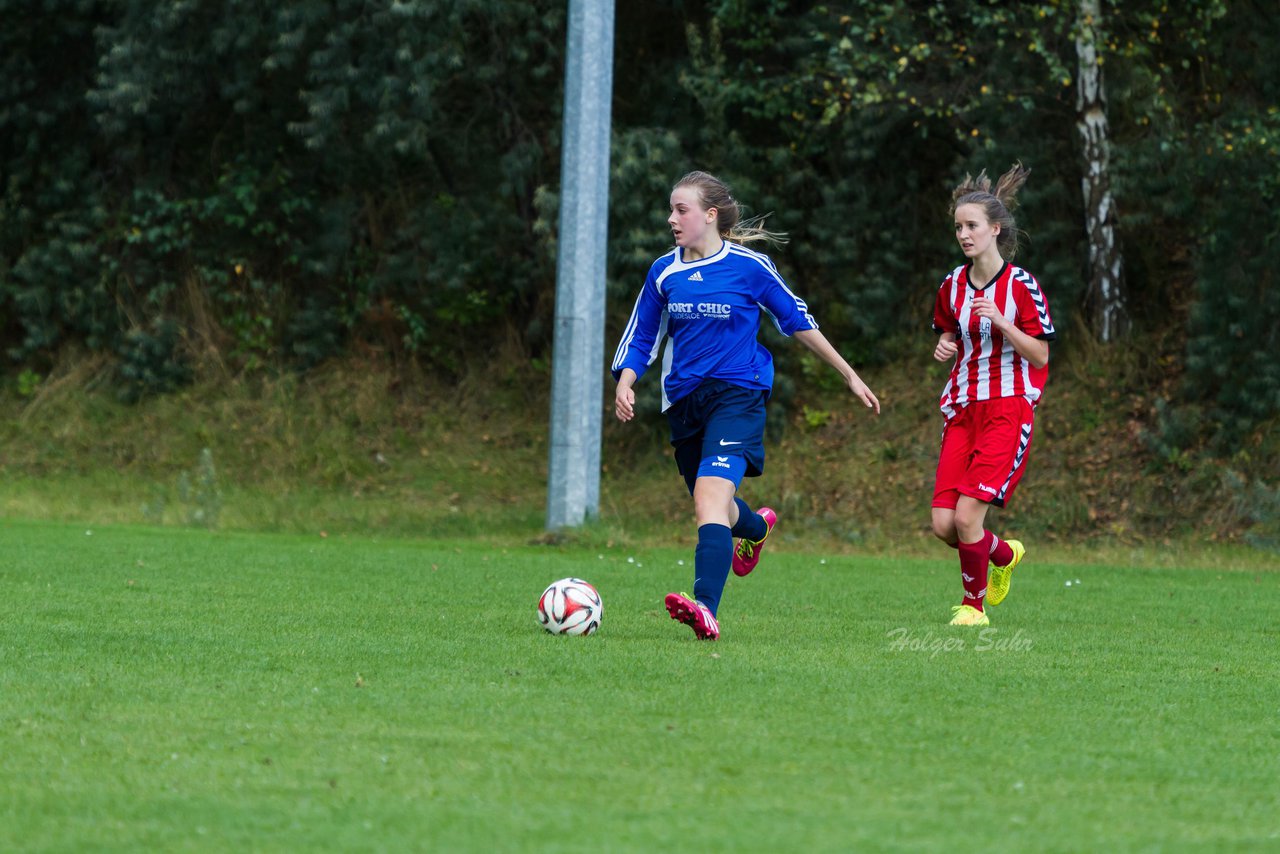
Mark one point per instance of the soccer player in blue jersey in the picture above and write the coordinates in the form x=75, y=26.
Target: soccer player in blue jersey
x=705, y=297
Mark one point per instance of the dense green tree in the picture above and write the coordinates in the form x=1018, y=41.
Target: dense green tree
x=252, y=185
x=52, y=210
x=271, y=181
x=1225, y=149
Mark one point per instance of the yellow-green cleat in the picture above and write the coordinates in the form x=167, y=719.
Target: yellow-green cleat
x=967, y=615
x=1001, y=576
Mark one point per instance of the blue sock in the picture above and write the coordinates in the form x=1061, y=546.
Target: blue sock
x=751, y=524
x=711, y=561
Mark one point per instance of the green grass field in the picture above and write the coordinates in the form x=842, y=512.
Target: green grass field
x=174, y=689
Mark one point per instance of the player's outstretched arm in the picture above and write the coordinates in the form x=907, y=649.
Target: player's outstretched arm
x=821, y=347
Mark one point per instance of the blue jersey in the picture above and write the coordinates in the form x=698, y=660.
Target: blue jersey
x=709, y=310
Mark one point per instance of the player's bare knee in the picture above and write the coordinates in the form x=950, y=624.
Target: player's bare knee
x=712, y=506
x=944, y=530
x=944, y=524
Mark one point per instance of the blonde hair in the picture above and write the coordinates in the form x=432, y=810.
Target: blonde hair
x=714, y=193
x=998, y=205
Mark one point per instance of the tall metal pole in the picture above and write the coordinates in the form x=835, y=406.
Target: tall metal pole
x=573, y=488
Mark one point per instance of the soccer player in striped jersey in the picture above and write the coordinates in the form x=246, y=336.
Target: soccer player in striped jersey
x=993, y=323
x=706, y=298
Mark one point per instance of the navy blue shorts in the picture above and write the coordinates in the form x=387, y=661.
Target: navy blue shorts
x=718, y=418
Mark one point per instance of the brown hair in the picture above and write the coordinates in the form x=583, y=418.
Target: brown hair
x=997, y=205
x=714, y=193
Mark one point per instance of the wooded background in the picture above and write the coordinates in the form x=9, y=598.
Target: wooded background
x=263, y=187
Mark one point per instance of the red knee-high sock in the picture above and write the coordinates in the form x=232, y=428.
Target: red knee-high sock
x=1001, y=554
x=974, y=558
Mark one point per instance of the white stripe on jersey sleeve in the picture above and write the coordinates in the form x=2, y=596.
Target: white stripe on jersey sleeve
x=759, y=257
x=767, y=262
x=628, y=333
x=666, y=366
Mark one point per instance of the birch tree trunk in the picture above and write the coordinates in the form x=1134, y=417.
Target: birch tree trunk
x=1105, y=298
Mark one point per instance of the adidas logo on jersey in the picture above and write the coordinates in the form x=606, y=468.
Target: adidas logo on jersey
x=696, y=277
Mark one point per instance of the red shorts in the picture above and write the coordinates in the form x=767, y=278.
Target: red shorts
x=984, y=452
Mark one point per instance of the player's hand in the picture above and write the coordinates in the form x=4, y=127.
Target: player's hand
x=986, y=307
x=860, y=390
x=624, y=402
x=946, y=350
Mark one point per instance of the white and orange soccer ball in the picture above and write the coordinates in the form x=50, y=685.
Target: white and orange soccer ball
x=570, y=606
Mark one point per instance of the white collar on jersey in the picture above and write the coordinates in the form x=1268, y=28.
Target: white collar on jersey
x=720, y=253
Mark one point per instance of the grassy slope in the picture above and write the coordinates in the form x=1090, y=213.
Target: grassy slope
x=353, y=448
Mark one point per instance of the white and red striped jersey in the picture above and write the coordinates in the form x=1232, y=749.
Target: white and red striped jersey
x=986, y=365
